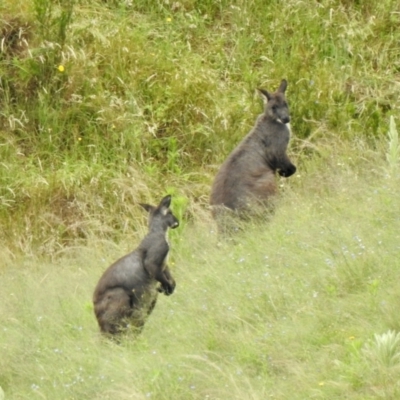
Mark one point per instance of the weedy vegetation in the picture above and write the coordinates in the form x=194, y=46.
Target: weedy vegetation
x=108, y=104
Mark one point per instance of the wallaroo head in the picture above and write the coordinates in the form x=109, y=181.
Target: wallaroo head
x=161, y=217
x=276, y=106
x=248, y=174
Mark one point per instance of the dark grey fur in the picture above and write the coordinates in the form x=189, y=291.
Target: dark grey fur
x=248, y=174
x=127, y=292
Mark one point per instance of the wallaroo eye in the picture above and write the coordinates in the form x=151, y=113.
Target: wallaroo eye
x=274, y=107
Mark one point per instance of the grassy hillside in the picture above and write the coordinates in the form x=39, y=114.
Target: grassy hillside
x=105, y=104
x=290, y=310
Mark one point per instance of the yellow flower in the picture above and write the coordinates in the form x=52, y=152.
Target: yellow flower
x=79, y=138
x=321, y=383
x=169, y=19
x=61, y=68
x=351, y=337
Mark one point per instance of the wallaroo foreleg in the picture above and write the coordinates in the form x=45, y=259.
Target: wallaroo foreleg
x=168, y=284
x=155, y=266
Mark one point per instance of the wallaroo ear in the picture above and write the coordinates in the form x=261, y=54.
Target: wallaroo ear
x=165, y=202
x=282, y=86
x=265, y=94
x=147, y=207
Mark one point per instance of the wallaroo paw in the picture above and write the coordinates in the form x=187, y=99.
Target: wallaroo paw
x=167, y=289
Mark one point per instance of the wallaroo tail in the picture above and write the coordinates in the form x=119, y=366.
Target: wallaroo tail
x=247, y=176
x=127, y=292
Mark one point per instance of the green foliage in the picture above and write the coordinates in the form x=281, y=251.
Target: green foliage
x=164, y=90
x=183, y=74
x=53, y=27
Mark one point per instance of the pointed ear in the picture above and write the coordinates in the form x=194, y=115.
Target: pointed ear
x=282, y=86
x=165, y=202
x=265, y=95
x=147, y=207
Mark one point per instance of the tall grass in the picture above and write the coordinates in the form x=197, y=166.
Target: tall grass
x=305, y=306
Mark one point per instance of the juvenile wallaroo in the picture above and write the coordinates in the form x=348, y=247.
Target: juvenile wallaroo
x=127, y=291
x=247, y=176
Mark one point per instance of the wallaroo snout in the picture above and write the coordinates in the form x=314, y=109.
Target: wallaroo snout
x=127, y=292
x=248, y=174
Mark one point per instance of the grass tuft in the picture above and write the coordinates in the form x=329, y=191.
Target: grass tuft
x=384, y=349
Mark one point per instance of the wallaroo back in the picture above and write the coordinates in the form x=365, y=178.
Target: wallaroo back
x=127, y=292
x=248, y=174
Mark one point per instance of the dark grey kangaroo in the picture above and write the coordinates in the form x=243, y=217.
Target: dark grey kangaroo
x=248, y=174
x=127, y=292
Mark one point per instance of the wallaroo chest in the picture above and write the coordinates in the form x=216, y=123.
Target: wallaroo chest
x=248, y=174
